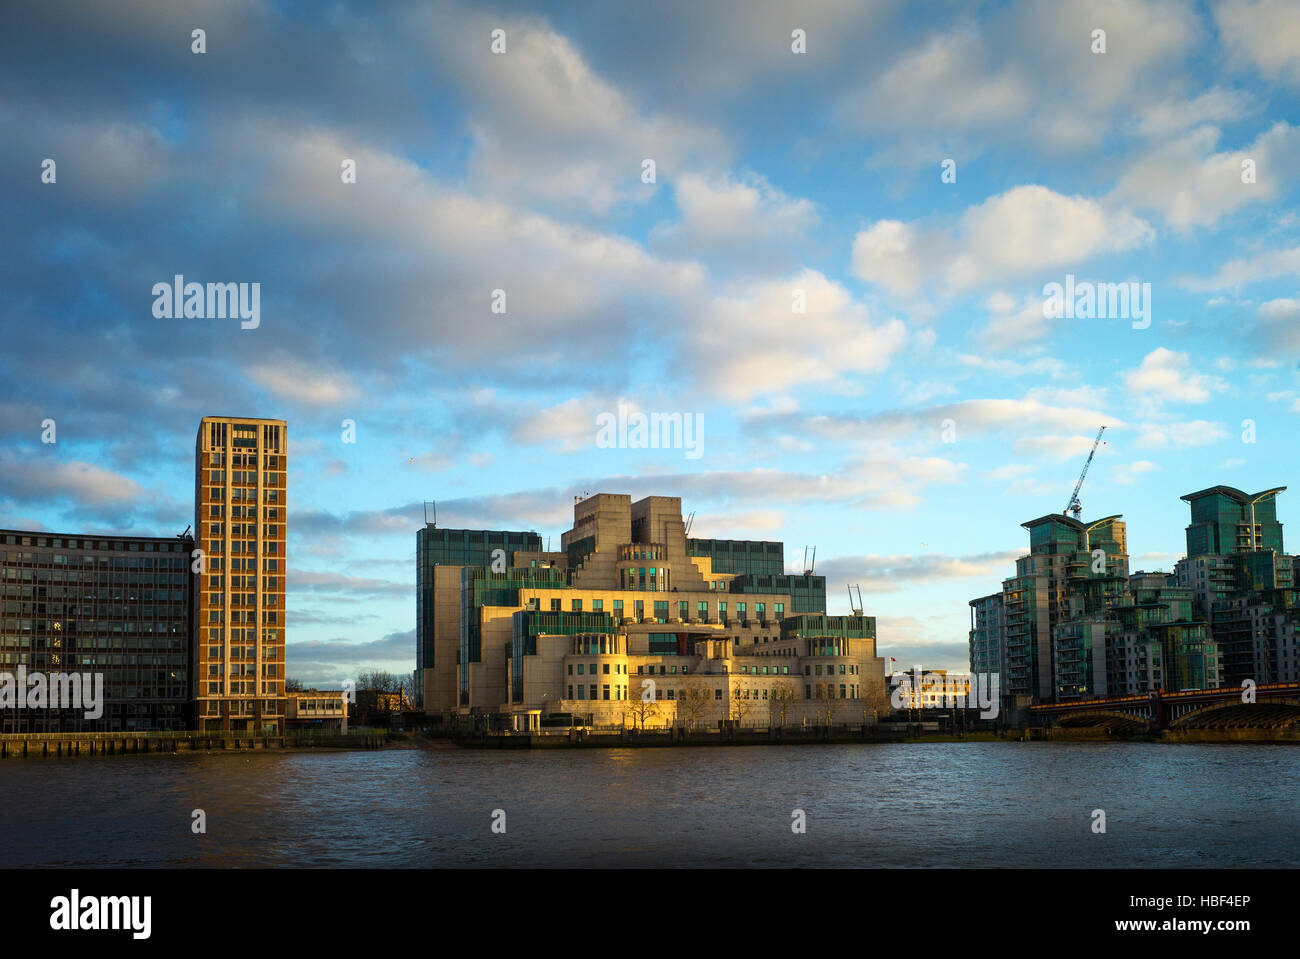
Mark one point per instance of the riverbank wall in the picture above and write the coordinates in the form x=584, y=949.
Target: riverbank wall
x=67, y=745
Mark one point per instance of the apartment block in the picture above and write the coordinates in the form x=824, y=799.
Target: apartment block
x=1242, y=583
x=238, y=651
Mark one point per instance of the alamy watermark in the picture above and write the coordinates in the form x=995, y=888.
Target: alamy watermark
x=1100, y=301
x=38, y=690
x=210, y=301
x=634, y=430
x=938, y=690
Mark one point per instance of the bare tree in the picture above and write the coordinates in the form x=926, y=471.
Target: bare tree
x=379, y=680
x=292, y=685
x=826, y=703
x=741, y=706
x=694, y=700
x=641, y=708
x=782, y=701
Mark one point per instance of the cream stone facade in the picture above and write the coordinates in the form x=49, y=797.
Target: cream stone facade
x=623, y=626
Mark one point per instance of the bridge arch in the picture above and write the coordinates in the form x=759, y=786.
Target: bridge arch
x=1111, y=721
x=1266, y=712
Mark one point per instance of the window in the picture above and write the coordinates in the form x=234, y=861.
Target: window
x=717, y=694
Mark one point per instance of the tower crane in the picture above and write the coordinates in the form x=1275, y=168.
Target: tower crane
x=1074, y=506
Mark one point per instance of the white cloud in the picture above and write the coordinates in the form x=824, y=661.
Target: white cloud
x=84, y=483
x=1190, y=185
x=1011, y=235
x=1214, y=106
x=1179, y=435
x=742, y=219
x=1059, y=447
x=1010, y=328
x=1168, y=376
x=741, y=345
x=546, y=127
x=1265, y=265
x=302, y=383
x=918, y=89
x=1128, y=473
x=878, y=574
x=1264, y=34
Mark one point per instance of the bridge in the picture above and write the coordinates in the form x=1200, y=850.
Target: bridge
x=1266, y=706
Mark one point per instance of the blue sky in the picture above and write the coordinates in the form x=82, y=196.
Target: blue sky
x=775, y=171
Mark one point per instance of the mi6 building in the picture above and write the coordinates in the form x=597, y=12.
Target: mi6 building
x=631, y=622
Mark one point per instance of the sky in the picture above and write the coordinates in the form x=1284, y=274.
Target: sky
x=840, y=266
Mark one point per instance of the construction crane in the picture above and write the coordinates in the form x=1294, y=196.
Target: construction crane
x=1074, y=506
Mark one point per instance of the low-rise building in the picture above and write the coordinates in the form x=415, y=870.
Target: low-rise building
x=323, y=709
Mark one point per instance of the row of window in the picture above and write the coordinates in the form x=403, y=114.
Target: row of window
x=243, y=689
x=246, y=459
x=619, y=669
x=77, y=543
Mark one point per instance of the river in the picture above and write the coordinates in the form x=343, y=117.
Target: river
x=891, y=805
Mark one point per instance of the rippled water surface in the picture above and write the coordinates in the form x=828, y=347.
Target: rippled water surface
x=979, y=804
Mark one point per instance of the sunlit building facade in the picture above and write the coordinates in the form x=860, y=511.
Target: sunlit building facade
x=631, y=623
x=238, y=651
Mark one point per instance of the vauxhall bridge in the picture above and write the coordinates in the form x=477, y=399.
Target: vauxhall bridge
x=1274, y=706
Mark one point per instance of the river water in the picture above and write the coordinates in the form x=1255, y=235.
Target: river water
x=904, y=805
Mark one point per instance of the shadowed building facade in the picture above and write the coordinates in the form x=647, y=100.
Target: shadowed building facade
x=1073, y=623
x=117, y=606
x=1242, y=583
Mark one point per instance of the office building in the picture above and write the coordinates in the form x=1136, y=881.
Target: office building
x=627, y=608
x=117, y=606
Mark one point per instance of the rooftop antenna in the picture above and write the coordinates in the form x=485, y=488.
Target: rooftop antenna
x=435, y=513
x=857, y=609
x=186, y=533
x=814, y=560
x=689, y=520
x=1074, y=506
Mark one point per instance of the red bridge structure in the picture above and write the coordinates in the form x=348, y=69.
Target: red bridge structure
x=1266, y=706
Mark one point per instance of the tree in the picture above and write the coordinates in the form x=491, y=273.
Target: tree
x=641, y=708
x=693, y=701
x=379, y=680
x=782, y=701
x=740, y=706
x=292, y=685
x=825, y=703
